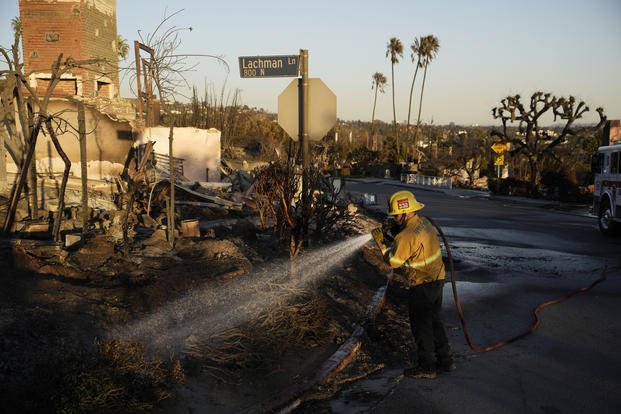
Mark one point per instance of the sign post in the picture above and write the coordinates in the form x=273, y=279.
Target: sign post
x=296, y=110
x=303, y=108
x=306, y=107
x=303, y=126
x=499, y=148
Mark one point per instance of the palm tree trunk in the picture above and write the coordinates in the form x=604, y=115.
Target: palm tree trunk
x=374, y=103
x=394, y=111
x=420, y=105
x=373, y=115
x=410, y=106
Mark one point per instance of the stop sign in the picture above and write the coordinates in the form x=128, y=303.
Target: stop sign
x=321, y=111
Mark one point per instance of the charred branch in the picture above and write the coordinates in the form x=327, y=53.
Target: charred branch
x=63, y=185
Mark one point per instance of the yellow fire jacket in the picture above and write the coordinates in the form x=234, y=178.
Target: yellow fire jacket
x=416, y=250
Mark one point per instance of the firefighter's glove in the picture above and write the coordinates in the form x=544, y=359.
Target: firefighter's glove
x=378, y=236
x=390, y=228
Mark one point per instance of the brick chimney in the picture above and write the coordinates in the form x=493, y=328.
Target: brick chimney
x=81, y=29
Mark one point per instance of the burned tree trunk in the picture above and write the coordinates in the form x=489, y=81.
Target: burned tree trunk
x=133, y=178
x=63, y=185
x=83, y=170
x=21, y=179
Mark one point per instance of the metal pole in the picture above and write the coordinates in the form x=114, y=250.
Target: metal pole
x=82, y=133
x=171, y=209
x=304, y=108
x=138, y=85
x=303, y=125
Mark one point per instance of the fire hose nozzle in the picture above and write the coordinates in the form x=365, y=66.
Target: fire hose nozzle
x=378, y=237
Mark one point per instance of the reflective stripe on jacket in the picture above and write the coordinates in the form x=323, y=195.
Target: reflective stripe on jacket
x=416, y=250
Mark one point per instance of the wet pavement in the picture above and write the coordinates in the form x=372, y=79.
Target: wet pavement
x=505, y=267
x=570, y=365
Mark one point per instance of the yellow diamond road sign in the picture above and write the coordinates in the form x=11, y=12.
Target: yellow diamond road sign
x=499, y=147
x=500, y=160
x=321, y=111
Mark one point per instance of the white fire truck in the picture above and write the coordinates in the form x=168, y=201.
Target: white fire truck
x=606, y=166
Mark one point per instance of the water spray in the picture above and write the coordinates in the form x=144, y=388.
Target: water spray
x=212, y=310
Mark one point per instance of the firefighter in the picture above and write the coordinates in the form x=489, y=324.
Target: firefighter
x=416, y=252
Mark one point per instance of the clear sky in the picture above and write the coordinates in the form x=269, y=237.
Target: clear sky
x=488, y=49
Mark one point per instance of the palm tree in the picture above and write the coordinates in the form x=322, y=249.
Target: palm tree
x=429, y=50
x=379, y=83
x=416, y=53
x=394, y=50
x=122, y=48
x=16, y=25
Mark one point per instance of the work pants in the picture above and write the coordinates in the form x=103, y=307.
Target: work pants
x=424, y=305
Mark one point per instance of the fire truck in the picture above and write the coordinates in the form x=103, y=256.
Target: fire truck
x=606, y=166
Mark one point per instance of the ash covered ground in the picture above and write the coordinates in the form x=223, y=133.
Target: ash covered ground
x=215, y=324
x=103, y=329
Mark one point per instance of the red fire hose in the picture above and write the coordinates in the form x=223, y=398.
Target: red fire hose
x=534, y=326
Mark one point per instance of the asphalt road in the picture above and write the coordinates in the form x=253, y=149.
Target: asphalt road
x=511, y=255
x=549, y=225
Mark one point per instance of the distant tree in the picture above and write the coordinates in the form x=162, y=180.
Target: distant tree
x=531, y=140
x=575, y=157
x=394, y=50
x=416, y=54
x=429, y=46
x=363, y=159
x=379, y=83
x=122, y=48
x=16, y=25
x=472, y=151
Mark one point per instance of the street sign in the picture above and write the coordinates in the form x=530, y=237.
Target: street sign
x=500, y=160
x=321, y=111
x=268, y=66
x=499, y=148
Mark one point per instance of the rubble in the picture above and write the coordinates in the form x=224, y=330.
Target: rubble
x=121, y=262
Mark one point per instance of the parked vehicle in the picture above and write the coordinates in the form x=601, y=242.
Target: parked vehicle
x=606, y=166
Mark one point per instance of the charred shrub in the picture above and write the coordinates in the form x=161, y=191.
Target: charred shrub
x=110, y=377
x=557, y=186
x=117, y=377
x=297, y=212
x=511, y=186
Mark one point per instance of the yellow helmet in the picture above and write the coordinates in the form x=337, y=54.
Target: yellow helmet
x=403, y=202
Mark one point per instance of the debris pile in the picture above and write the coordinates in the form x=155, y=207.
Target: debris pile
x=124, y=263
